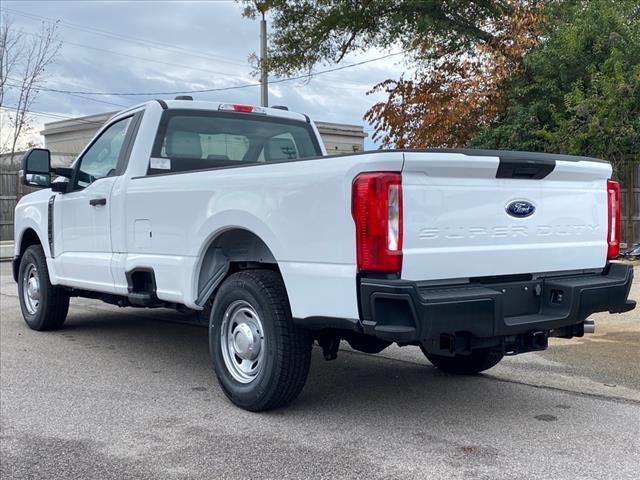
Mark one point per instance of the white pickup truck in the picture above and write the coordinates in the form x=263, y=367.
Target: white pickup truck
x=236, y=212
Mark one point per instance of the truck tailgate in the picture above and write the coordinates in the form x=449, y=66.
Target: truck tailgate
x=456, y=223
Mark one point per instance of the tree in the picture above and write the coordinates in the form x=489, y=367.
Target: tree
x=308, y=32
x=579, y=91
x=463, y=52
x=24, y=60
x=449, y=99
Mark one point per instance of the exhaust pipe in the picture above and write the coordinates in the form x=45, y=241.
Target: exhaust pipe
x=589, y=326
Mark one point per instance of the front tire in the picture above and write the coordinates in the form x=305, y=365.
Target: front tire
x=260, y=357
x=478, y=361
x=44, y=306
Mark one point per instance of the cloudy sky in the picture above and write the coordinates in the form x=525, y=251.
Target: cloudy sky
x=148, y=47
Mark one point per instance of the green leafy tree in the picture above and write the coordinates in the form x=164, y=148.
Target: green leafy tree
x=308, y=32
x=461, y=52
x=579, y=90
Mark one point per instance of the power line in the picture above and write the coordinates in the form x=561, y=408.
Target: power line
x=346, y=85
x=172, y=48
x=55, y=115
x=135, y=57
x=123, y=37
x=221, y=89
x=12, y=85
x=145, y=59
x=95, y=100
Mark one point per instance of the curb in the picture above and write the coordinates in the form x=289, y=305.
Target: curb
x=6, y=250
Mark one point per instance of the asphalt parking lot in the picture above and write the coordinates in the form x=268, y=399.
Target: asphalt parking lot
x=123, y=393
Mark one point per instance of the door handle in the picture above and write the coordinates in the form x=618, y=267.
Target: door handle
x=96, y=202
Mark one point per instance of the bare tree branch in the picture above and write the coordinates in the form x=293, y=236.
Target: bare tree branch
x=11, y=52
x=23, y=63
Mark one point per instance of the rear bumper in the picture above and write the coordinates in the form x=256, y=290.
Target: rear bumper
x=411, y=312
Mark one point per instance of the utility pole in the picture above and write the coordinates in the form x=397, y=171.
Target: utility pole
x=264, y=74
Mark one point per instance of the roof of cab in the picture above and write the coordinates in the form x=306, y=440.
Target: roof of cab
x=214, y=106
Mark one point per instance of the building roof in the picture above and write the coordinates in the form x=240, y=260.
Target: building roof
x=89, y=122
x=329, y=128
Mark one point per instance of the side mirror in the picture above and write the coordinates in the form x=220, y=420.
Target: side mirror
x=36, y=168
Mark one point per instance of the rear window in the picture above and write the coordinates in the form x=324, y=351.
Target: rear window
x=195, y=140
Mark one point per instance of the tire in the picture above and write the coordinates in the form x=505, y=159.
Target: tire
x=260, y=357
x=44, y=306
x=478, y=361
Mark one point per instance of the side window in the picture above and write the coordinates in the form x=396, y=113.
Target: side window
x=101, y=159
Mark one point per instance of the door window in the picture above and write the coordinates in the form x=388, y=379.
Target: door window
x=101, y=159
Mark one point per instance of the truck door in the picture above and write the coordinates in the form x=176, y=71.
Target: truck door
x=83, y=254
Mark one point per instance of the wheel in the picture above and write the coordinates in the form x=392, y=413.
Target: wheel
x=44, y=306
x=260, y=357
x=478, y=361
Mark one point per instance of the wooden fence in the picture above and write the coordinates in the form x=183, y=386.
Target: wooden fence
x=629, y=177
x=11, y=190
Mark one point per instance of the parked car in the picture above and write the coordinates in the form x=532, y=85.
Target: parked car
x=237, y=213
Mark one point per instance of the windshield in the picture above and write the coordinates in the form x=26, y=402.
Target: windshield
x=195, y=140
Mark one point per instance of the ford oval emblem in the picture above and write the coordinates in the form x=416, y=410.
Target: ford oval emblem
x=520, y=209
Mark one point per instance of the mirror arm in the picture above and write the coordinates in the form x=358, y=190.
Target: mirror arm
x=65, y=172
x=60, y=187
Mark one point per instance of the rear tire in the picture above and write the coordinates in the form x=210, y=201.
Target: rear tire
x=260, y=357
x=44, y=306
x=478, y=361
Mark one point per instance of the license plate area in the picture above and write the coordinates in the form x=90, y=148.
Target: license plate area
x=519, y=298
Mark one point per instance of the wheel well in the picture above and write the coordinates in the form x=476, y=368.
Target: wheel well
x=229, y=252
x=29, y=237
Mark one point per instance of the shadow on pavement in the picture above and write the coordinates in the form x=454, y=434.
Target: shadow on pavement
x=366, y=386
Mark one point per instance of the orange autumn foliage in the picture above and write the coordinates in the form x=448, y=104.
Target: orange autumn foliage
x=455, y=93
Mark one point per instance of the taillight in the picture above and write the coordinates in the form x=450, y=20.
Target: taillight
x=235, y=107
x=613, y=214
x=377, y=210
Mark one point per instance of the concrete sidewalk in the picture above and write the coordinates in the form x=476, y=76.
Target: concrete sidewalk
x=6, y=250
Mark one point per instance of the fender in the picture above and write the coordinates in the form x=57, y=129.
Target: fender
x=230, y=219
x=19, y=235
x=32, y=213
x=31, y=218
x=219, y=224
